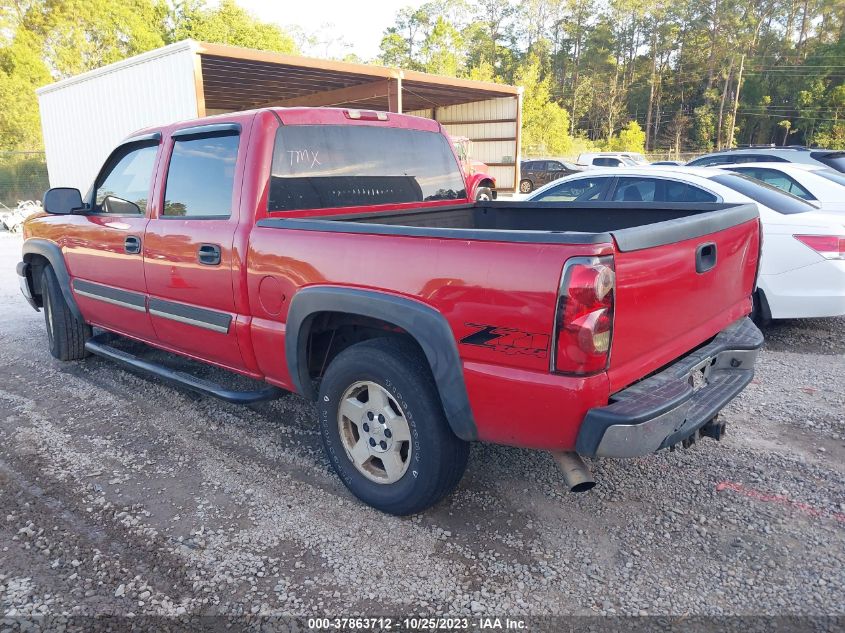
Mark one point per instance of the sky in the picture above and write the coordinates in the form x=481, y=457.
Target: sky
x=341, y=26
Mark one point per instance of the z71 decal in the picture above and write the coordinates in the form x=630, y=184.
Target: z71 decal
x=507, y=340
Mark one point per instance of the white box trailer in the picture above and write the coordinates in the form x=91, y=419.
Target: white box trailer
x=85, y=116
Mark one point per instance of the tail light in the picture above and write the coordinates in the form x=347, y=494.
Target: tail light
x=828, y=246
x=584, y=317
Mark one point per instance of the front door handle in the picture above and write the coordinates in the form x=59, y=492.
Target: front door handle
x=132, y=244
x=209, y=254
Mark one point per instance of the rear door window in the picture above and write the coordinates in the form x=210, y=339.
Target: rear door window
x=201, y=177
x=637, y=190
x=632, y=189
x=580, y=189
x=328, y=166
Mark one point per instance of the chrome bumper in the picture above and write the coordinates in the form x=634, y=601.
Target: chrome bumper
x=672, y=405
x=23, y=281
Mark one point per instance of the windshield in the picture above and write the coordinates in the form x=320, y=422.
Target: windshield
x=329, y=166
x=834, y=160
x=638, y=159
x=772, y=197
x=630, y=162
x=833, y=176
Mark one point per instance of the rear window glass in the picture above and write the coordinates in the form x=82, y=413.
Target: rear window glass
x=835, y=160
x=767, y=195
x=328, y=166
x=603, y=161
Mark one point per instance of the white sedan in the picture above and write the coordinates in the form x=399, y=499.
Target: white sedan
x=823, y=187
x=802, y=271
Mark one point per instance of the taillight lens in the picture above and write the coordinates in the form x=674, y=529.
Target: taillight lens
x=584, y=319
x=828, y=246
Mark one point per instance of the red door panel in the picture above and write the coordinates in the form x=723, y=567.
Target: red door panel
x=192, y=304
x=108, y=282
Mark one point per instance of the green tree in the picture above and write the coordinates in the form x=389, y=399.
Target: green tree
x=227, y=23
x=79, y=35
x=441, y=49
x=545, y=124
x=631, y=138
x=21, y=71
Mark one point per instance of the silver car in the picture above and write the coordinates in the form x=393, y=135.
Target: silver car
x=832, y=159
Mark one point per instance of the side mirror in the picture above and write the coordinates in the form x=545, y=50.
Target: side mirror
x=62, y=200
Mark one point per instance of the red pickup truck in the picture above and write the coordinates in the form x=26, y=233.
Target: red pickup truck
x=334, y=253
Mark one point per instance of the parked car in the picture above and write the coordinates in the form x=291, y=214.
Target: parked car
x=484, y=185
x=802, y=273
x=823, y=187
x=674, y=163
x=536, y=172
x=611, y=159
x=832, y=159
x=338, y=256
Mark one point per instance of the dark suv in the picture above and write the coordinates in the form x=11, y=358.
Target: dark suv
x=537, y=172
x=831, y=159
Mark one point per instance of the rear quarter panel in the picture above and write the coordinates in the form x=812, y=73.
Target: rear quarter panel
x=504, y=293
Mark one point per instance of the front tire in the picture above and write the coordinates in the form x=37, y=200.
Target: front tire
x=66, y=333
x=526, y=186
x=384, y=430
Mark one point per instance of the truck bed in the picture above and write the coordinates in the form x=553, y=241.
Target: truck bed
x=633, y=226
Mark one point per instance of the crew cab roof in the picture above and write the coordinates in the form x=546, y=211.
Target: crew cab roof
x=301, y=116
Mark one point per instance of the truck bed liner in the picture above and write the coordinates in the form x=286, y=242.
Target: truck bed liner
x=633, y=226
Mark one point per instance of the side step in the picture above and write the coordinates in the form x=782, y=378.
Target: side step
x=99, y=345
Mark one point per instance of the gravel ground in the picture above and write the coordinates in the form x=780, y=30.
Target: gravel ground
x=121, y=495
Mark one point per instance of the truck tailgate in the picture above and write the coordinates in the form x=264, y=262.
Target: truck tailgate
x=672, y=296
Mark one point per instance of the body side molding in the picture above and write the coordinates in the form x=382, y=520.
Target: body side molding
x=427, y=326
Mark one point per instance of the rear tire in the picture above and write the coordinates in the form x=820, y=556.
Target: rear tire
x=760, y=312
x=526, y=186
x=66, y=333
x=384, y=430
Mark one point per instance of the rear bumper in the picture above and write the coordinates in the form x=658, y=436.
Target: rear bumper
x=668, y=407
x=23, y=280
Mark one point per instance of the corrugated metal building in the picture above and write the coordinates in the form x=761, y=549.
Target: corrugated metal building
x=83, y=117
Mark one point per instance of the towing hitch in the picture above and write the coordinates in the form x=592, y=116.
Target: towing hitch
x=714, y=429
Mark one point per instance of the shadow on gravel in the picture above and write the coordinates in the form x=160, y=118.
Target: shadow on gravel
x=818, y=336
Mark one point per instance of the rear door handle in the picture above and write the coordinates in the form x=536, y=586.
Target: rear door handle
x=132, y=244
x=705, y=257
x=209, y=254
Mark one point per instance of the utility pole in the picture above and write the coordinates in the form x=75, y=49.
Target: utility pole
x=736, y=101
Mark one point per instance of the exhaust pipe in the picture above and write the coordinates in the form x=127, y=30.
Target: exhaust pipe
x=575, y=471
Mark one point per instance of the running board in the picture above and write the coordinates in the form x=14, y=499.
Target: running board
x=99, y=345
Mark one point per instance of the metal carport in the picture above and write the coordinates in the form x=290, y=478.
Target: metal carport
x=84, y=116
x=230, y=78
